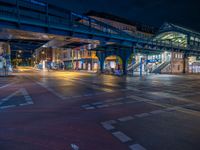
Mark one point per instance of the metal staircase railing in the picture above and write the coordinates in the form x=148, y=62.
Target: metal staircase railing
x=132, y=67
x=160, y=67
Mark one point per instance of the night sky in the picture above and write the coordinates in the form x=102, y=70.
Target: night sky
x=151, y=12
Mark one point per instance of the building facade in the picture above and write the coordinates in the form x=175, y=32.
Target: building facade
x=80, y=59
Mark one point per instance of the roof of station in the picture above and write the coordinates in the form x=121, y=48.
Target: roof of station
x=173, y=27
x=175, y=35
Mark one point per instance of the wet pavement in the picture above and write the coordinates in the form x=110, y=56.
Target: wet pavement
x=73, y=110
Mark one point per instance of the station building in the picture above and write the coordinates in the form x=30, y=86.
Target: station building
x=81, y=55
x=178, y=61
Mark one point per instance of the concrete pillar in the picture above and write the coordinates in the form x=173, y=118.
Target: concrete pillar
x=125, y=54
x=185, y=64
x=124, y=67
x=101, y=56
x=101, y=65
x=172, y=61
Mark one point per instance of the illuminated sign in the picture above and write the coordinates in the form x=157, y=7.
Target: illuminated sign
x=152, y=60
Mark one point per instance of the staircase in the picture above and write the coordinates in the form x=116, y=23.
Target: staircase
x=132, y=67
x=160, y=67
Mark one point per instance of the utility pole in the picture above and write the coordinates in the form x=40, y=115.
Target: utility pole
x=141, y=59
x=134, y=58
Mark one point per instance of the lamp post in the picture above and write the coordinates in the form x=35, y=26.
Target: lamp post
x=72, y=58
x=43, y=61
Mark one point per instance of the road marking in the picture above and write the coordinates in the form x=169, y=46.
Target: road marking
x=169, y=95
x=142, y=115
x=74, y=147
x=51, y=90
x=9, y=106
x=10, y=96
x=118, y=99
x=90, y=108
x=25, y=94
x=86, y=105
x=110, y=102
x=123, y=119
x=130, y=102
x=93, y=86
x=136, y=147
x=102, y=106
x=140, y=98
x=107, y=126
x=86, y=95
x=190, y=105
x=97, y=103
x=25, y=104
x=110, y=122
x=172, y=108
x=78, y=96
x=27, y=97
x=4, y=86
x=116, y=103
x=121, y=136
x=157, y=112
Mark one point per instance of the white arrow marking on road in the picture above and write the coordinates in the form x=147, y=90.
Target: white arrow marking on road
x=24, y=92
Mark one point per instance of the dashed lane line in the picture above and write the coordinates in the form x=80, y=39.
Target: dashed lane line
x=109, y=126
x=136, y=147
x=142, y=115
x=114, y=102
x=122, y=137
x=158, y=111
x=6, y=107
x=127, y=118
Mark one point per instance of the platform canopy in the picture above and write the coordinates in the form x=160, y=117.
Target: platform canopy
x=178, y=36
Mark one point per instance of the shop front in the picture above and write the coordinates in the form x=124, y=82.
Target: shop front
x=194, y=64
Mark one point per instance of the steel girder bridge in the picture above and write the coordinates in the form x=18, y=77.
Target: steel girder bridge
x=38, y=16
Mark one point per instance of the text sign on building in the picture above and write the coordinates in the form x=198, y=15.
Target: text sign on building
x=152, y=61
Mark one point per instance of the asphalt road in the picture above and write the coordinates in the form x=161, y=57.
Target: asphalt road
x=83, y=111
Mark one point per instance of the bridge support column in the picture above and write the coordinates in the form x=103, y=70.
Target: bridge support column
x=102, y=65
x=124, y=57
x=185, y=63
x=124, y=65
x=101, y=56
